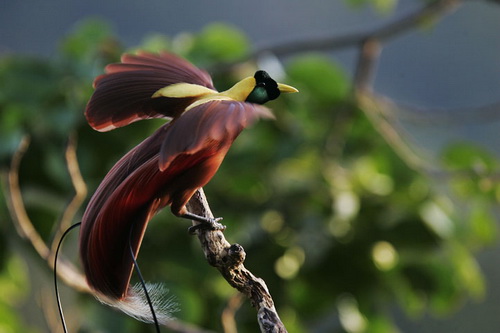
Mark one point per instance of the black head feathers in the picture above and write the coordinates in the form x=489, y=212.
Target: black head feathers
x=266, y=89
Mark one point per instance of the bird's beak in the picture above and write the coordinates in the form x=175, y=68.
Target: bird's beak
x=286, y=88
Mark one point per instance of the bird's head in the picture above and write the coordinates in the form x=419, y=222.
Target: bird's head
x=266, y=89
x=258, y=89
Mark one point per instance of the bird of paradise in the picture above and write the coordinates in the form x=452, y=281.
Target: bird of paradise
x=167, y=168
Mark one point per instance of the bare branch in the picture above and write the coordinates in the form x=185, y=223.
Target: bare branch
x=401, y=25
x=15, y=202
x=365, y=70
x=25, y=228
x=431, y=11
x=373, y=107
x=228, y=315
x=376, y=107
x=16, y=205
x=80, y=192
x=228, y=259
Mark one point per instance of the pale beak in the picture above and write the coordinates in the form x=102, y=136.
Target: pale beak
x=286, y=88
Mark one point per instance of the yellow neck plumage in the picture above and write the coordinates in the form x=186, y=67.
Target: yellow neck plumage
x=239, y=92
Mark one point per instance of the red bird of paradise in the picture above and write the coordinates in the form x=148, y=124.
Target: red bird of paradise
x=168, y=167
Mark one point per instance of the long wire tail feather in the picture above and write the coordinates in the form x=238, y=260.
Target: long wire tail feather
x=142, y=283
x=56, y=287
x=144, y=301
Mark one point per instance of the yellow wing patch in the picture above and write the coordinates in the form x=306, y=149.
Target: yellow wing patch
x=181, y=90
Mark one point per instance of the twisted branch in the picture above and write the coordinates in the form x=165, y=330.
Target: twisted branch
x=228, y=259
x=25, y=228
x=80, y=192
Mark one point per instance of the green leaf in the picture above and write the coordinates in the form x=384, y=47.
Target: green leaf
x=467, y=156
x=483, y=223
x=155, y=43
x=221, y=42
x=385, y=6
x=319, y=78
x=468, y=271
x=14, y=284
x=382, y=6
x=91, y=38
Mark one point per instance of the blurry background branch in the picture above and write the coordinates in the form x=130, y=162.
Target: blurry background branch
x=67, y=272
x=369, y=53
x=432, y=11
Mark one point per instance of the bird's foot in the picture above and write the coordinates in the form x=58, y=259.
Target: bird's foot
x=205, y=223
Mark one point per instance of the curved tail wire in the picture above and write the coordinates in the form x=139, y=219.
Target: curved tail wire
x=143, y=284
x=137, y=269
x=56, y=287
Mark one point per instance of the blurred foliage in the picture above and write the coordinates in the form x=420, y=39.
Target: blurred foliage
x=381, y=6
x=14, y=290
x=333, y=220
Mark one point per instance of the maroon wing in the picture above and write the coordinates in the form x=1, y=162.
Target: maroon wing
x=123, y=94
x=213, y=122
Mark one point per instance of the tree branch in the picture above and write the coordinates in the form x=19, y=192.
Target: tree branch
x=80, y=192
x=390, y=30
x=375, y=107
x=228, y=259
x=25, y=228
x=229, y=313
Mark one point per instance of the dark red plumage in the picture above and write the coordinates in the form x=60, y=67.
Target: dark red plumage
x=191, y=149
x=165, y=169
x=123, y=94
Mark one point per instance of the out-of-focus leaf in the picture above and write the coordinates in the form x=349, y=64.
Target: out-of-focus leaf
x=324, y=82
x=13, y=282
x=88, y=35
x=385, y=6
x=483, y=224
x=382, y=6
x=469, y=271
x=466, y=156
x=220, y=42
x=437, y=218
x=380, y=324
x=155, y=43
x=14, y=288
